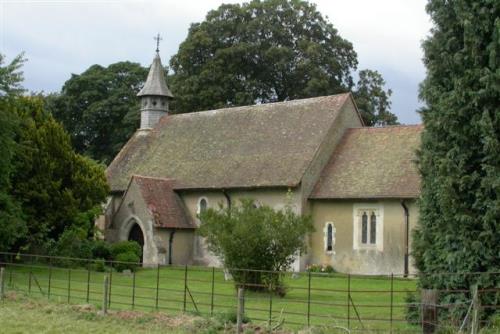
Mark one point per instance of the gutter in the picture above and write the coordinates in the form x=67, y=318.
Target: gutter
x=407, y=237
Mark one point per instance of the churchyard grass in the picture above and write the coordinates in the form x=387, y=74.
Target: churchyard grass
x=375, y=303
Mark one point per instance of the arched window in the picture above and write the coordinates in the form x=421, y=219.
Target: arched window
x=202, y=205
x=364, y=228
x=373, y=228
x=329, y=231
x=329, y=238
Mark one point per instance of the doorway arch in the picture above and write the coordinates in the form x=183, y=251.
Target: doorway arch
x=136, y=235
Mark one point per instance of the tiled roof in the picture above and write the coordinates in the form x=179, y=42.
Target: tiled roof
x=155, y=83
x=165, y=205
x=373, y=163
x=253, y=146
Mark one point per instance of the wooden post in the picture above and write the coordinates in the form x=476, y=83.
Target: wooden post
x=2, y=283
x=105, y=295
x=429, y=311
x=241, y=311
x=475, y=310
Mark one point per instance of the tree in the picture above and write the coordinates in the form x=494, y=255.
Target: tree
x=56, y=188
x=261, y=51
x=460, y=152
x=12, y=226
x=255, y=238
x=373, y=100
x=99, y=108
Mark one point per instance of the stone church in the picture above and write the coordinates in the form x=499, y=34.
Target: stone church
x=360, y=184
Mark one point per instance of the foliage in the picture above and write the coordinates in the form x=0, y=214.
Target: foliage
x=57, y=188
x=127, y=260
x=11, y=222
x=244, y=236
x=267, y=51
x=460, y=154
x=320, y=268
x=372, y=100
x=99, y=108
x=11, y=76
x=125, y=247
x=101, y=250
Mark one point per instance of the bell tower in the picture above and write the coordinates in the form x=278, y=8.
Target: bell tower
x=155, y=94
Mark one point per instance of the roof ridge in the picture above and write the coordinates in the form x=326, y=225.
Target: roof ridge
x=387, y=127
x=187, y=114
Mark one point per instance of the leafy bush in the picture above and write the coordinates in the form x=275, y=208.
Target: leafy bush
x=99, y=265
x=127, y=260
x=101, y=250
x=412, y=309
x=257, y=239
x=320, y=268
x=125, y=247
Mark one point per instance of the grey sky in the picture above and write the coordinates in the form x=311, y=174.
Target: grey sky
x=64, y=37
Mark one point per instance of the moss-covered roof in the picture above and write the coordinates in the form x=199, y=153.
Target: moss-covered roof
x=373, y=163
x=254, y=146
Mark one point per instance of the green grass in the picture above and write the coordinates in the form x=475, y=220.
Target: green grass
x=326, y=304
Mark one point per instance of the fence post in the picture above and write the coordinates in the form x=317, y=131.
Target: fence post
x=31, y=270
x=185, y=286
x=2, y=272
x=475, y=309
x=105, y=295
x=50, y=278
x=69, y=284
x=88, y=282
x=348, y=301
x=157, y=284
x=133, y=290
x=241, y=310
x=11, y=268
x=392, y=297
x=110, y=284
x=309, y=300
x=270, y=305
x=429, y=311
x=213, y=288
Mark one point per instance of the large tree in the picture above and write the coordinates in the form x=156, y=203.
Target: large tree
x=11, y=224
x=263, y=51
x=99, y=108
x=56, y=188
x=460, y=155
x=373, y=100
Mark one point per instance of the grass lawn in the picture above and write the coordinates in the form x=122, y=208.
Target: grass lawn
x=326, y=303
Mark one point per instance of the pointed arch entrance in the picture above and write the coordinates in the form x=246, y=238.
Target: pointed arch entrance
x=136, y=235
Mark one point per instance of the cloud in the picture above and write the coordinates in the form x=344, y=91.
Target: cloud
x=64, y=37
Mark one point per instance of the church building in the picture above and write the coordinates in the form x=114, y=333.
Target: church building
x=360, y=184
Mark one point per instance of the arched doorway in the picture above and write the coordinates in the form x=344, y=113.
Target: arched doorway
x=137, y=236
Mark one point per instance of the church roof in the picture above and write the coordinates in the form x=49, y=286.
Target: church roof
x=155, y=83
x=164, y=204
x=244, y=147
x=373, y=163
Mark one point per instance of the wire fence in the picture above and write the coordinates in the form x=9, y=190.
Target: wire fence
x=351, y=303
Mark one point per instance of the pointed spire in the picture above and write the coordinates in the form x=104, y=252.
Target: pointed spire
x=155, y=83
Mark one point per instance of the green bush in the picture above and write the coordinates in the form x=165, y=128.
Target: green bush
x=101, y=250
x=125, y=247
x=320, y=268
x=99, y=265
x=258, y=239
x=127, y=260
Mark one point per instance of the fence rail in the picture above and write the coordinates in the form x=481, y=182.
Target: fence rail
x=384, y=303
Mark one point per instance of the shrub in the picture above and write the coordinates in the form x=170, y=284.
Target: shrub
x=101, y=250
x=321, y=268
x=127, y=260
x=99, y=265
x=125, y=247
x=255, y=238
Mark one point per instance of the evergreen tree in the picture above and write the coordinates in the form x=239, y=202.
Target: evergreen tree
x=460, y=154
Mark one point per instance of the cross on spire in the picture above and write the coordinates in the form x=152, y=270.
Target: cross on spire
x=158, y=39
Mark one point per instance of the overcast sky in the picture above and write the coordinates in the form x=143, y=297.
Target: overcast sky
x=64, y=37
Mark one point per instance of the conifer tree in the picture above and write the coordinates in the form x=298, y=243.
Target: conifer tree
x=460, y=154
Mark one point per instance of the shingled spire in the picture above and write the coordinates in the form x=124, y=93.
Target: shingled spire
x=155, y=94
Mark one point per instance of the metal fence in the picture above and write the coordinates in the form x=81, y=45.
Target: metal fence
x=350, y=303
